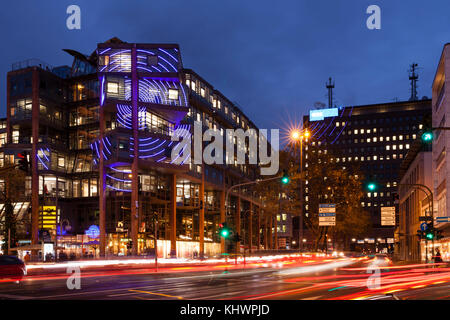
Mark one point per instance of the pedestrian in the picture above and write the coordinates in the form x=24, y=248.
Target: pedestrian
x=27, y=257
x=438, y=258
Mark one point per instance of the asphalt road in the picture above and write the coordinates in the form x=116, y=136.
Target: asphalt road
x=330, y=279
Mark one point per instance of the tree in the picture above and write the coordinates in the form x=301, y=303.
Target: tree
x=275, y=195
x=329, y=182
x=11, y=189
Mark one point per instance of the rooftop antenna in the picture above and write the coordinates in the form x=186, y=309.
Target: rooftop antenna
x=413, y=77
x=330, y=87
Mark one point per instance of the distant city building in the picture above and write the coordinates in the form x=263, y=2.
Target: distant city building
x=414, y=201
x=441, y=147
x=376, y=139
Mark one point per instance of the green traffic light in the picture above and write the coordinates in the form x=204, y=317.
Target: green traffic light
x=224, y=233
x=285, y=180
x=371, y=186
x=427, y=136
x=430, y=236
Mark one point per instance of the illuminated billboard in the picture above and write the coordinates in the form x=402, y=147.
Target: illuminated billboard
x=320, y=114
x=47, y=217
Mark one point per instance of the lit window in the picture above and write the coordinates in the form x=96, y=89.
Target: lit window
x=387, y=139
x=374, y=139
x=400, y=146
x=375, y=157
x=368, y=139
x=337, y=124
x=394, y=156
x=407, y=146
x=394, y=138
x=394, y=147
x=388, y=147
x=420, y=126
x=374, y=130
x=173, y=94
x=381, y=139
x=400, y=137
x=361, y=131
x=413, y=136
x=104, y=60
x=112, y=87
x=355, y=131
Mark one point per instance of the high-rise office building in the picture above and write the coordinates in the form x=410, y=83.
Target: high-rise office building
x=374, y=138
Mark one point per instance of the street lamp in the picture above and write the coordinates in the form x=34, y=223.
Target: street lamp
x=297, y=135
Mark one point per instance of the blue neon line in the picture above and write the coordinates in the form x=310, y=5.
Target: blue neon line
x=168, y=54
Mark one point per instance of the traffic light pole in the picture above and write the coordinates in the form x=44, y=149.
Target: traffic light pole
x=429, y=195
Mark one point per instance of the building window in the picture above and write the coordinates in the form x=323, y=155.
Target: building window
x=113, y=87
x=173, y=94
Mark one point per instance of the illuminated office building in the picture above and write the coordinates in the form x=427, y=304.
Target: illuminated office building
x=374, y=138
x=98, y=135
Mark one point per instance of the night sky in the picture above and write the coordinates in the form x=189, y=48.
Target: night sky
x=272, y=57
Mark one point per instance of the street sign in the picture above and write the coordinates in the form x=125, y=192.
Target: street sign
x=442, y=219
x=327, y=215
x=388, y=216
x=423, y=226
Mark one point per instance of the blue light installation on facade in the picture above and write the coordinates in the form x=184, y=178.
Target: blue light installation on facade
x=44, y=160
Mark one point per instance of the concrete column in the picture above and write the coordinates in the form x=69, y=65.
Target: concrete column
x=259, y=228
x=134, y=166
x=173, y=217
x=222, y=216
x=250, y=227
x=270, y=231
x=34, y=161
x=102, y=187
x=238, y=220
x=201, y=222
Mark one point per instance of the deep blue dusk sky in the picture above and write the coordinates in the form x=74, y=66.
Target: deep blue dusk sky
x=272, y=57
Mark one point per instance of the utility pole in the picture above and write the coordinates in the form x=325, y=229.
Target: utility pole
x=330, y=87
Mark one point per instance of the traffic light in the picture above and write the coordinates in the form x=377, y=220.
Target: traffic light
x=427, y=136
x=285, y=179
x=23, y=162
x=224, y=231
x=421, y=234
x=429, y=232
x=371, y=186
x=427, y=130
x=395, y=197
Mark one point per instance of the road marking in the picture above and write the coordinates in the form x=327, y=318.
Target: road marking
x=158, y=294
